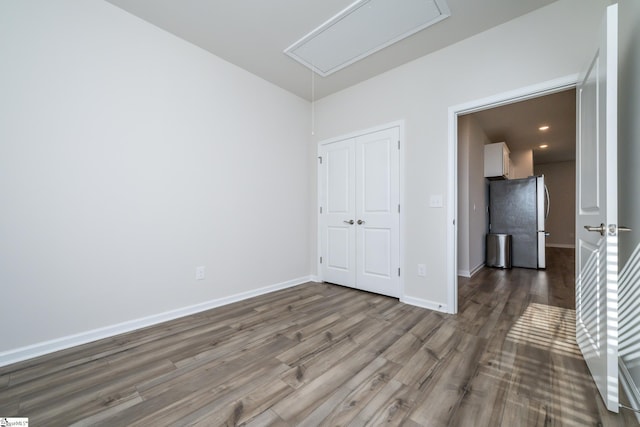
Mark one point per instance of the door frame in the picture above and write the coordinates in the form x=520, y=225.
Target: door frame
x=399, y=124
x=527, y=92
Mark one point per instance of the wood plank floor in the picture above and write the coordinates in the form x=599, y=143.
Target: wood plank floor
x=320, y=354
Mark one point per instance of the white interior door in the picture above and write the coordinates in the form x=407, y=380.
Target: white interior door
x=377, y=212
x=596, y=234
x=337, y=176
x=359, y=220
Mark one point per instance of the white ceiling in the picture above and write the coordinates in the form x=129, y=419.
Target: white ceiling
x=252, y=34
x=362, y=29
x=517, y=124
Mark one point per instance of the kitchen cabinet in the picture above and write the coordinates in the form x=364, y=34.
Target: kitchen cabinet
x=496, y=160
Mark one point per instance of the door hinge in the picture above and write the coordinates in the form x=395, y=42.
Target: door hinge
x=320, y=209
x=320, y=260
x=320, y=158
x=398, y=208
x=398, y=144
x=398, y=271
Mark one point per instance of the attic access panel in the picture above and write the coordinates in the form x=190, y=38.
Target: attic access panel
x=362, y=29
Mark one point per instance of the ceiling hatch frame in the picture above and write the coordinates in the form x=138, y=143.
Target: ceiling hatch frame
x=363, y=28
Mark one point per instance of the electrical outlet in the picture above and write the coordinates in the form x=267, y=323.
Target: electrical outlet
x=200, y=273
x=422, y=270
x=435, y=201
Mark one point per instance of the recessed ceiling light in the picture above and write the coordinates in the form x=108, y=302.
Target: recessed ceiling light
x=544, y=145
x=545, y=127
x=359, y=31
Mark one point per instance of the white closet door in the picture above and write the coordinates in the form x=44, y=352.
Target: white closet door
x=337, y=220
x=359, y=222
x=377, y=216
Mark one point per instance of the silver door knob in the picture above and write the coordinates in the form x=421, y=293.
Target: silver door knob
x=360, y=222
x=602, y=229
x=623, y=228
x=350, y=222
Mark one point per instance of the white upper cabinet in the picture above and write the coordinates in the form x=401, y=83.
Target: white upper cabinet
x=496, y=160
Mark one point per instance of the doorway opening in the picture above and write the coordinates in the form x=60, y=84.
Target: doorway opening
x=539, y=137
x=468, y=206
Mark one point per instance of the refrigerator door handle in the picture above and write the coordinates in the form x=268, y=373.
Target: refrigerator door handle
x=546, y=193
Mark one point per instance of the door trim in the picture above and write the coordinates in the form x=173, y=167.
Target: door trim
x=504, y=98
x=399, y=124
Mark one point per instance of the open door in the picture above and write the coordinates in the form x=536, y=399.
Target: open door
x=597, y=213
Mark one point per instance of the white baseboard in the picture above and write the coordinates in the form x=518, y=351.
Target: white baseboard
x=464, y=273
x=39, y=349
x=467, y=273
x=315, y=278
x=476, y=269
x=629, y=386
x=560, y=245
x=423, y=303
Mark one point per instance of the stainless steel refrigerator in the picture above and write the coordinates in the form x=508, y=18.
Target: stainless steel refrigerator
x=519, y=207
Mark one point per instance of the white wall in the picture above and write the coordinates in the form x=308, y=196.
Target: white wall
x=472, y=195
x=464, y=140
x=560, y=178
x=629, y=126
x=127, y=158
x=546, y=44
x=478, y=198
x=522, y=164
x=629, y=198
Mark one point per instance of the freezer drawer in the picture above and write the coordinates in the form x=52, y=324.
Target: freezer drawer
x=499, y=250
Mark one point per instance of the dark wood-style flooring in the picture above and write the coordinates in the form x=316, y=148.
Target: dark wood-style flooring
x=321, y=354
